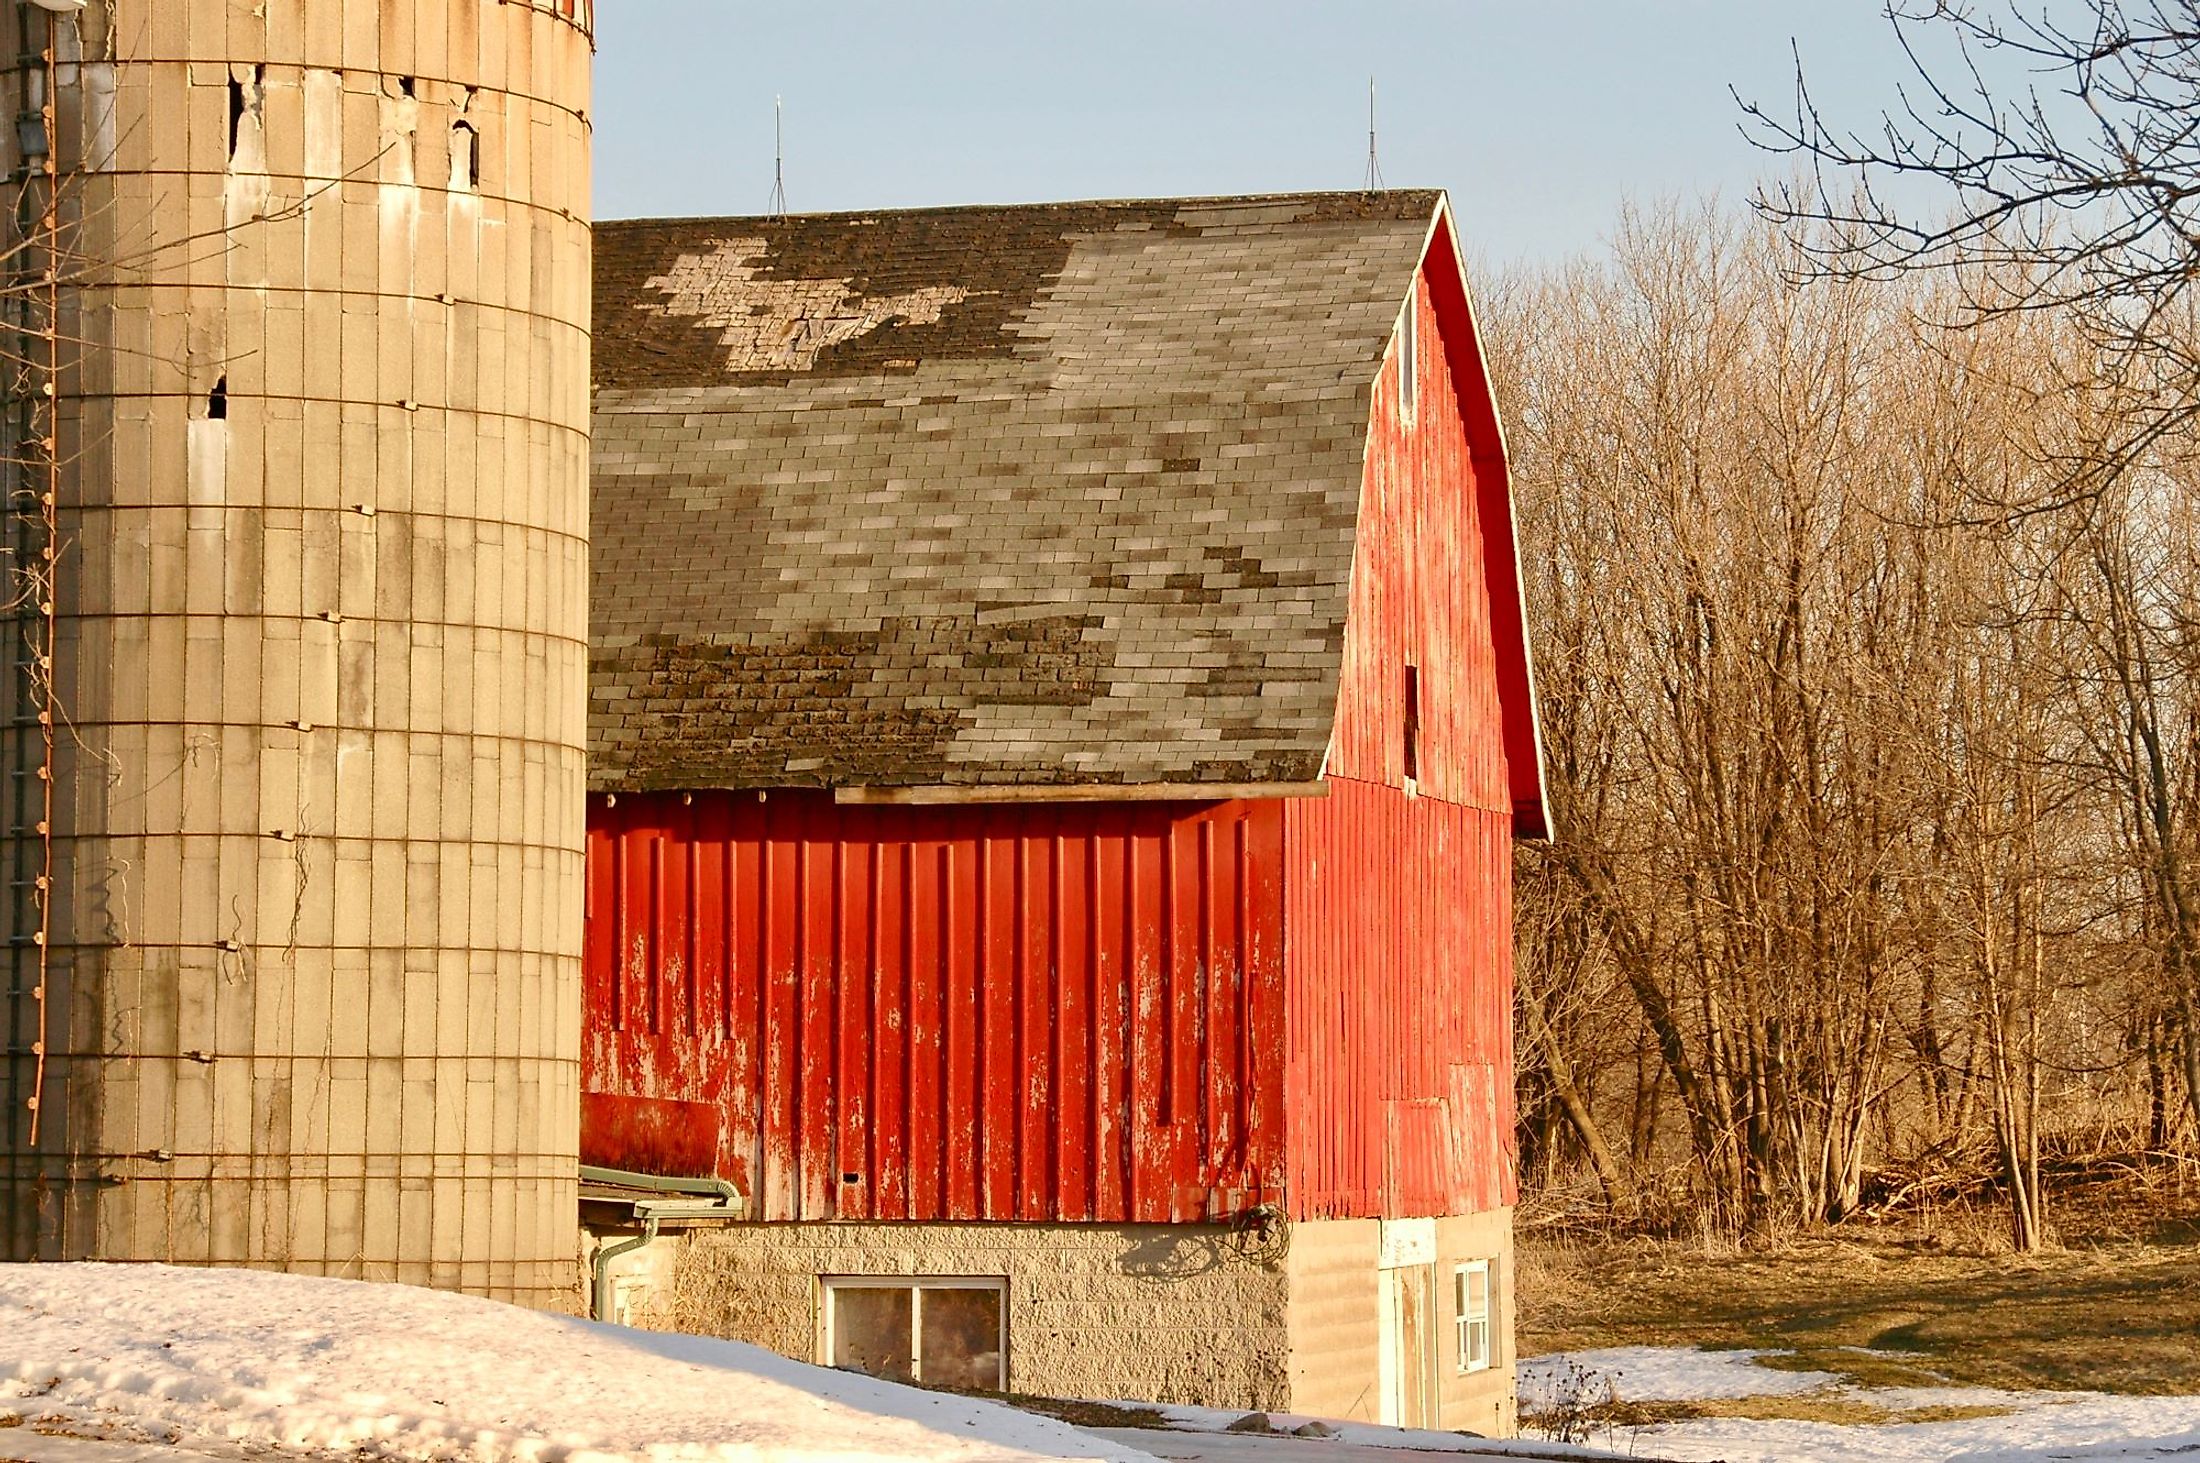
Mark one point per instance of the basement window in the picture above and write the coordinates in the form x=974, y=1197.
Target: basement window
x=1471, y=1308
x=943, y=1332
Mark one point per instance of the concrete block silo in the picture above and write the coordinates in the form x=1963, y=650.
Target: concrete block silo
x=291, y=747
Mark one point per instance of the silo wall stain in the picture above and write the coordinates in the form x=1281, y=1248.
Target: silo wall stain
x=313, y=864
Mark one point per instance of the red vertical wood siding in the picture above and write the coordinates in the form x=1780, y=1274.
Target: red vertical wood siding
x=1399, y=1089
x=1421, y=596
x=1017, y=1012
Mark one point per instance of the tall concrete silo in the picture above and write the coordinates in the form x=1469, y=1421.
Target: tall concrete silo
x=291, y=773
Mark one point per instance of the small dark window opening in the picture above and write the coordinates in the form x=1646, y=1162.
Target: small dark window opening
x=1413, y=723
x=1409, y=359
x=217, y=401
x=405, y=86
x=465, y=155
x=236, y=113
x=244, y=101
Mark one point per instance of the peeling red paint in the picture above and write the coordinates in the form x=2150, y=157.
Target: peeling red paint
x=1039, y=1012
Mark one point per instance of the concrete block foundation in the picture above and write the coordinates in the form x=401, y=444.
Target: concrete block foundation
x=1191, y=1314
x=1147, y=1312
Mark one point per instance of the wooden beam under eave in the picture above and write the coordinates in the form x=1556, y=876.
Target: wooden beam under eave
x=1085, y=792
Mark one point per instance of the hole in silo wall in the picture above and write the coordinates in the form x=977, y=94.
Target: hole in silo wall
x=217, y=401
x=245, y=98
x=465, y=157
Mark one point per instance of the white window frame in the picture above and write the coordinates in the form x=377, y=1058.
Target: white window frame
x=1467, y=1326
x=1409, y=357
x=918, y=1284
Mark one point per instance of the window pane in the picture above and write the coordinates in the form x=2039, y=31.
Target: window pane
x=1478, y=1292
x=871, y=1331
x=962, y=1337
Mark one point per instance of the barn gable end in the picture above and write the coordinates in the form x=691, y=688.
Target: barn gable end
x=1400, y=986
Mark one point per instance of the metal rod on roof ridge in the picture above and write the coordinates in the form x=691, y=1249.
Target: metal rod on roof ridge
x=779, y=162
x=1374, y=168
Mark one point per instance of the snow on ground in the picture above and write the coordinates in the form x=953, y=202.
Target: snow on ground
x=1661, y=1374
x=221, y=1358
x=21, y=1445
x=2042, y=1426
x=1349, y=1435
x=234, y=1364
x=1215, y=1447
x=2026, y=1427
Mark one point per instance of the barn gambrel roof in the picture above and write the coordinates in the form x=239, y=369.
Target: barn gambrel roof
x=1046, y=495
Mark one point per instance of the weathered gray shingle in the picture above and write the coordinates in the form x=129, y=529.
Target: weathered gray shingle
x=1053, y=494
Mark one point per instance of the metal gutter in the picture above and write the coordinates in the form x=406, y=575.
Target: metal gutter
x=1091, y=792
x=724, y=1204
x=729, y=1196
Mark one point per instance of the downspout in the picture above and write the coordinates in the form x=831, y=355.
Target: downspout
x=600, y=1266
x=725, y=1202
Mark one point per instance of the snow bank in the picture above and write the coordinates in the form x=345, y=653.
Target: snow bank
x=390, y=1371
x=2030, y=1427
x=1217, y=1421
x=1662, y=1374
x=2059, y=1426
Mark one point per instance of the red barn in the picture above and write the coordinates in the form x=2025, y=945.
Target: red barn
x=1060, y=709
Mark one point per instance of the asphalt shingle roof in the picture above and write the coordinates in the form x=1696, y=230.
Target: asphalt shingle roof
x=1051, y=494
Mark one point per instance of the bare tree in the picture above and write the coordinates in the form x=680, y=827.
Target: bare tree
x=1841, y=829
x=2049, y=161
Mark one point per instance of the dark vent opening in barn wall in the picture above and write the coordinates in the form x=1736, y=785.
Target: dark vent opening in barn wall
x=1413, y=723
x=1409, y=360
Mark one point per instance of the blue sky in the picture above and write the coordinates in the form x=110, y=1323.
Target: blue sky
x=1540, y=117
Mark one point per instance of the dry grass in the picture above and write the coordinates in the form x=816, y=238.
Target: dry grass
x=1078, y=1412
x=1839, y=1409
x=2118, y=1311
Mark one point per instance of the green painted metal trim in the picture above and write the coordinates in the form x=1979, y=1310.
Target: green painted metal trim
x=728, y=1195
